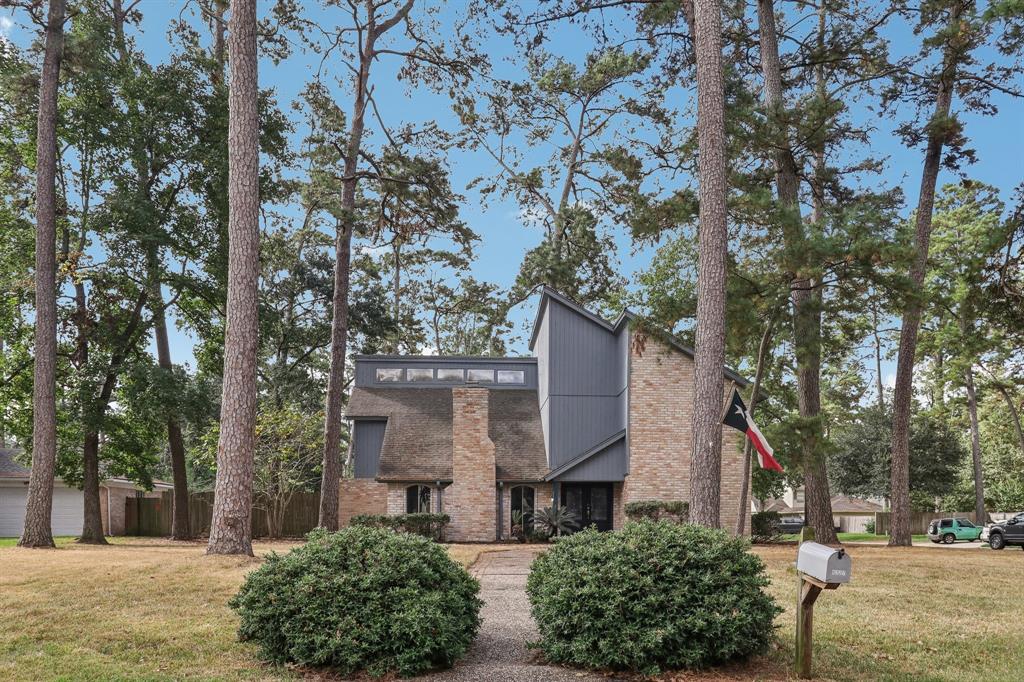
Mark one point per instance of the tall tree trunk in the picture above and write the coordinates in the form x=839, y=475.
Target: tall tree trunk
x=92, y=517
x=804, y=295
x=709, y=355
x=180, y=525
x=231, y=527
x=37, y=532
x=979, y=484
x=903, y=392
x=879, y=386
x=331, y=477
x=755, y=398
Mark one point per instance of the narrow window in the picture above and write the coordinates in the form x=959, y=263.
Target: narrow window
x=511, y=376
x=389, y=375
x=418, y=374
x=522, y=503
x=449, y=375
x=484, y=376
x=417, y=499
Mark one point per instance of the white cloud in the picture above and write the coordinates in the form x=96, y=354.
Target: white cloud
x=6, y=24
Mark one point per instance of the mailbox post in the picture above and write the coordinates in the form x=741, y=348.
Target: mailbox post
x=819, y=568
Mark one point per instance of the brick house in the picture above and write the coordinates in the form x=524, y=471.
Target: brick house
x=598, y=417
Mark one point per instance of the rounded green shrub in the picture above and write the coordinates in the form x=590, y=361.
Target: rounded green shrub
x=361, y=599
x=651, y=597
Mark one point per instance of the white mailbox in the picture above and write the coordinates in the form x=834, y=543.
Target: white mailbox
x=823, y=563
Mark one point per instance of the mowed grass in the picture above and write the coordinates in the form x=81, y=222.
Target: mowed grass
x=858, y=537
x=921, y=613
x=148, y=609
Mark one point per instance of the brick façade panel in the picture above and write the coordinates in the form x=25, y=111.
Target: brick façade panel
x=660, y=437
x=471, y=500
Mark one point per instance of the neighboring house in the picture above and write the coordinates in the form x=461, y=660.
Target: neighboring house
x=68, y=500
x=849, y=514
x=599, y=417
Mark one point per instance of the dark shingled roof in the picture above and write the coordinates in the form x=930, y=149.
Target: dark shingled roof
x=418, y=439
x=8, y=467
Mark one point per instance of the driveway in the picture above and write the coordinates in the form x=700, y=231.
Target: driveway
x=499, y=652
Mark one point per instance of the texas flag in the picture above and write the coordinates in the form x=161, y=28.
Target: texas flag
x=736, y=417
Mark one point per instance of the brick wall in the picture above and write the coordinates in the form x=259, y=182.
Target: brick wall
x=361, y=496
x=471, y=500
x=660, y=438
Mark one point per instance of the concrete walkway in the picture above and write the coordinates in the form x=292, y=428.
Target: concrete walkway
x=499, y=652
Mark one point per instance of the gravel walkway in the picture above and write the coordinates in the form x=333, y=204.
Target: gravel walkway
x=499, y=652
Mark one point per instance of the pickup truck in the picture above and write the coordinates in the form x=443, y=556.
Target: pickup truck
x=1008, y=532
x=948, y=531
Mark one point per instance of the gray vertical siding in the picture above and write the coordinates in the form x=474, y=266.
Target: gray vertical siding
x=607, y=465
x=369, y=436
x=585, y=368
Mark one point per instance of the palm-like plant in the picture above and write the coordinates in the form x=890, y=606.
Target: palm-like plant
x=555, y=520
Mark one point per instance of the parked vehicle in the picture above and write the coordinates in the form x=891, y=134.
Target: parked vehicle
x=948, y=531
x=1008, y=532
x=790, y=524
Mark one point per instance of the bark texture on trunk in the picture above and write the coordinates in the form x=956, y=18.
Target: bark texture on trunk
x=180, y=526
x=1014, y=413
x=37, y=531
x=755, y=398
x=979, y=483
x=330, y=480
x=231, y=527
x=709, y=355
x=804, y=295
x=903, y=391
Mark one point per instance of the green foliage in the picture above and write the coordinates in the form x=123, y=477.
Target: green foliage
x=862, y=449
x=764, y=526
x=430, y=526
x=869, y=526
x=361, y=599
x=553, y=521
x=651, y=597
x=676, y=511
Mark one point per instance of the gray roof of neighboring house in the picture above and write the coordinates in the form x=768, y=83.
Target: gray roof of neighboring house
x=8, y=467
x=841, y=504
x=418, y=439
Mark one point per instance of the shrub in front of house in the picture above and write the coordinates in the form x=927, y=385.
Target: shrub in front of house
x=676, y=511
x=361, y=599
x=764, y=526
x=431, y=526
x=651, y=597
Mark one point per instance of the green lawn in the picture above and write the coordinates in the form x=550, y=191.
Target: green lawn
x=59, y=540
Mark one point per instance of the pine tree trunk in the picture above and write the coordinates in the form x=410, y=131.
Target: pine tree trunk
x=755, y=398
x=37, y=532
x=231, y=527
x=709, y=355
x=979, y=484
x=805, y=297
x=903, y=392
x=1014, y=413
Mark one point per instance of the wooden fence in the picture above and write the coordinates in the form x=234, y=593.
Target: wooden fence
x=918, y=520
x=152, y=516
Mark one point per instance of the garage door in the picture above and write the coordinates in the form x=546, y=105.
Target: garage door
x=66, y=517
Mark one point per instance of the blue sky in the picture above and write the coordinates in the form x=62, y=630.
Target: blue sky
x=999, y=141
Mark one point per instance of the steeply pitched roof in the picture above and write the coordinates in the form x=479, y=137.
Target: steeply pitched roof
x=418, y=439
x=625, y=316
x=8, y=467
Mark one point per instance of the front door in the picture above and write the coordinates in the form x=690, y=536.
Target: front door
x=590, y=503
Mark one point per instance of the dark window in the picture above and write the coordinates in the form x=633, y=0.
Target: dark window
x=522, y=503
x=946, y=523
x=417, y=499
x=964, y=523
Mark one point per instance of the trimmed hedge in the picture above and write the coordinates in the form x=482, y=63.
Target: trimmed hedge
x=361, y=599
x=431, y=526
x=658, y=510
x=651, y=597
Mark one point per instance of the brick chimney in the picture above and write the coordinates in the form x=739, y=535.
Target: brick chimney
x=471, y=498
